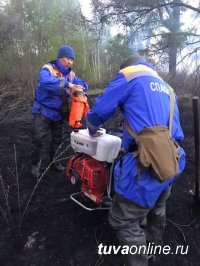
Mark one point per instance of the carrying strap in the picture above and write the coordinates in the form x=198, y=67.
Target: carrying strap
x=135, y=71
x=171, y=95
x=135, y=136
x=130, y=131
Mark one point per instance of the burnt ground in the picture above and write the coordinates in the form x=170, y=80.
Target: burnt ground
x=55, y=231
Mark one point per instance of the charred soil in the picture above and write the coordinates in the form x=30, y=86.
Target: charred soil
x=55, y=231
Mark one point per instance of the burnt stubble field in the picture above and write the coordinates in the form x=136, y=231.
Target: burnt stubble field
x=55, y=231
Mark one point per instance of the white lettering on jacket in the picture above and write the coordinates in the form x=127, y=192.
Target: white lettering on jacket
x=159, y=87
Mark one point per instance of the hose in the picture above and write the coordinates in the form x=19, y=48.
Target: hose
x=90, y=100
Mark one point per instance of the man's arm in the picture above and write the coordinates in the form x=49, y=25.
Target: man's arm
x=82, y=83
x=51, y=83
x=106, y=104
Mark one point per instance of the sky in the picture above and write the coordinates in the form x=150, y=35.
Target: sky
x=86, y=9
x=186, y=18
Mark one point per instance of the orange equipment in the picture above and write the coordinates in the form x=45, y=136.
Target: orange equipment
x=79, y=108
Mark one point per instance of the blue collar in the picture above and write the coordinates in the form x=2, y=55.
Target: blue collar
x=65, y=71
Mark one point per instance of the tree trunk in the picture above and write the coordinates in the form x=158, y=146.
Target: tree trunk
x=172, y=59
x=174, y=39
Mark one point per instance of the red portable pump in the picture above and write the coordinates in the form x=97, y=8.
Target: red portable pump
x=93, y=175
x=82, y=168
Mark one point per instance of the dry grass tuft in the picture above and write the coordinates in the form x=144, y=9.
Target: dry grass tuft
x=15, y=103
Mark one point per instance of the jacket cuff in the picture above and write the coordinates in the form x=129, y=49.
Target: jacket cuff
x=92, y=129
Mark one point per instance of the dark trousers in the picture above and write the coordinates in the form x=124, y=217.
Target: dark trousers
x=136, y=225
x=47, y=137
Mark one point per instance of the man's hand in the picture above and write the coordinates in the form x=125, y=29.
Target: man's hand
x=79, y=88
x=71, y=89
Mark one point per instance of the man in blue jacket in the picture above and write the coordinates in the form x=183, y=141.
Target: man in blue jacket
x=143, y=98
x=56, y=82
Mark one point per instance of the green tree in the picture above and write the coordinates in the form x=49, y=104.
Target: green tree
x=40, y=27
x=157, y=20
x=117, y=50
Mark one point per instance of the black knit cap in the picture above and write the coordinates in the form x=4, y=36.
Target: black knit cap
x=131, y=59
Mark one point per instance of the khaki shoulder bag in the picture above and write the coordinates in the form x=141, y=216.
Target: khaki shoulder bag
x=157, y=151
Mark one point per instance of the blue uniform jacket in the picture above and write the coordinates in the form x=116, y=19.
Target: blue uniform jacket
x=48, y=94
x=144, y=101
